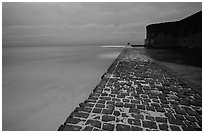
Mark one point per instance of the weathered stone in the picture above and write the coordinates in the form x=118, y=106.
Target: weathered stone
x=190, y=111
x=96, y=110
x=83, y=109
x=175, y=121
x=116, y=113
x=73, y=120
x=107, y=111
x=137, y=116
x=88, y=128
x=135, y=101
x=107, y=118
x=180, y=117
x=119, y=104
x=149, y=124
x=110, y=102
x=191, y=118
x=116, y=99
x=122, y=127
x=151, y=108
x=135, y=128
x=129, y=105
x=175, y=128
x=163, y=127
x=100, y=105
x=150, y=118
x=134, y=110
x=160, y=109
x=141, y=107
x=126, y=100
x=178, y=110
x=86, y=105
x=72, y=128
x=94, y=123
x=79, y=114
x=134, y=122
x=108, y=126
x=199, y=118
x=101, y=101
x=105, y=98
x=155, y=104
x=124, y=115
x=161, y=119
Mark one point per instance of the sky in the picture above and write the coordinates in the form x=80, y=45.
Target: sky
x=86, y=23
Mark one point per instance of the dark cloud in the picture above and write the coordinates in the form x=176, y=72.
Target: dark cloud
x=30, y=23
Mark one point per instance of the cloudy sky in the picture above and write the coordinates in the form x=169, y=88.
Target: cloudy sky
x=85, y=23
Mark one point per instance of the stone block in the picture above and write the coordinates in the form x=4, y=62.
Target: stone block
x=134, y=110
x=134, y=122
x=180, y=117
x=159, y=109
x=108, y=126
x=129, y=105
x=122, y=127
x=175, y=128
x=116, y=113
x=88, y=128
x=149, y=124
x=119, y=104
x=191, y=118
x=79, y=114
x=100, y=105
x=136, y=128
x=107, y=118
x=161, y=119
x=151, y=108
x=137, y=116
x=94, y=123
x=73, y=120
x=135, y=101
x=107, y=111
x=101, y=101
x=83, y=109
x=150, y=118
x=163, y=127
x=141, y=107
x=96, y=110
x=72, y=128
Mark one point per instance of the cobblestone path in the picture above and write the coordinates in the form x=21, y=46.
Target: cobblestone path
x=138, y=94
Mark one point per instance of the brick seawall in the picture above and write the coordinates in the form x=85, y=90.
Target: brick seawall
x=137, y=94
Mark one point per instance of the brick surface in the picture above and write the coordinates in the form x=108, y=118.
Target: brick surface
x=94, y=123
x=134, y=122
x=161, y=119
x=163, y=127
x=108, y=126
x=175, y=128
x=149, y=124
x=136, y=128
x=72, y=128
x=122, y=127
x=107, y=118
x=96, y=110
x=140, y=95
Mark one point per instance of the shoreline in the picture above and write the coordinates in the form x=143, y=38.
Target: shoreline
x=103, y=108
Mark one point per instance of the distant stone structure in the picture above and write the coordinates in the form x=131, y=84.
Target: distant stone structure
x=186, y=33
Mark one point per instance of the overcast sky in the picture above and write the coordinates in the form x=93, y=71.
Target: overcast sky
x=86, y=23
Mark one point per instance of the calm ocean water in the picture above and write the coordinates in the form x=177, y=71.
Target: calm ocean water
x=43, y=85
